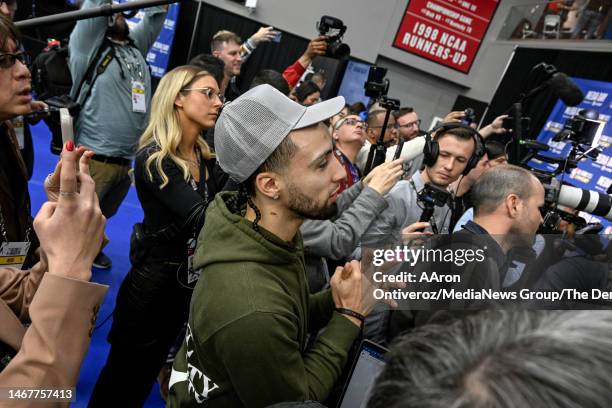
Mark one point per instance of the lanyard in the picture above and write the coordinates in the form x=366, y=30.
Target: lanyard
x=135, y=70
x=352, y=173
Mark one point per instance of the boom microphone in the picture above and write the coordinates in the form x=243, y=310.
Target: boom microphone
x=533, y=144
x=565, y=88
x=592, y=202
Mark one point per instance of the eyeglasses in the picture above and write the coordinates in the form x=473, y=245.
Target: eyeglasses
x=8, y=59
x=354, y=122
x=409, y=125
x=208, y=92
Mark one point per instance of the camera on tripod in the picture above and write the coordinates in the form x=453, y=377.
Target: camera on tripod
x=333, y=28
x=583, y=131
x=377, y=87
x=581, y=128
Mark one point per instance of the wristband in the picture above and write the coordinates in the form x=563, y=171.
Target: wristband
x=351, y=313
x=251, y=45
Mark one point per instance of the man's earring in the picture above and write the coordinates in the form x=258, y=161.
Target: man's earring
x=276, y=196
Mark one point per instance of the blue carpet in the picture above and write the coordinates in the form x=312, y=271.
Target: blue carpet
x=118, y=230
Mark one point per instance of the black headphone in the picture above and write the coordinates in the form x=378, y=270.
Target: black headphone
x=431, y=150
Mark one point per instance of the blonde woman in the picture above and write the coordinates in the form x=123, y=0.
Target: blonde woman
x=175, y=177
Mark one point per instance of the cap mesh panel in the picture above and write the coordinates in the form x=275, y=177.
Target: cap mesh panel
x=248, y=133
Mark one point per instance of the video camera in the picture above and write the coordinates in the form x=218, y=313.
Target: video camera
x=432, y=195
x=556, y=194
x=580, y=129
x=377, y=87
x=333, y=28
x=428, y=199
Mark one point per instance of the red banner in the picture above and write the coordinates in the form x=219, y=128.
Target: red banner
x=448, y=32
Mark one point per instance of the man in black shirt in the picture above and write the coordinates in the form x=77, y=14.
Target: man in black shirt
x=507, y=204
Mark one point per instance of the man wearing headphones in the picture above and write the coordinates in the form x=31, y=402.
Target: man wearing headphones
x=452, y=149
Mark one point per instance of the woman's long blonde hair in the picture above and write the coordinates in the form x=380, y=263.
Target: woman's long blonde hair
x=164, y=128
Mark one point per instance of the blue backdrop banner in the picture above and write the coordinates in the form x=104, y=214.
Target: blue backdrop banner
x=159, y=54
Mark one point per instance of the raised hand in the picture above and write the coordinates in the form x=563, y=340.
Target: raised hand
x=264, y=34
x=71, y=229
x=382, y=178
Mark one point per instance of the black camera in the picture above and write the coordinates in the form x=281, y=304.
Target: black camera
x=389, y=104
x=580, y=129
x=428, y=198
x=377, y=86
x=433, y=196
x=553, y=218
x=469, y=117
x=333, y=28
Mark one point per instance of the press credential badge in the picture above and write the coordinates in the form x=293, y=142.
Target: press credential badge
x=13, y=254
x=139, y=103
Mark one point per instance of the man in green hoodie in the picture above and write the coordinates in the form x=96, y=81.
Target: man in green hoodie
x=246, y=341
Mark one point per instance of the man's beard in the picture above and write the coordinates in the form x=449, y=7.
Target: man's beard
x=304, y=206
x=520, y=239
x=120, y=30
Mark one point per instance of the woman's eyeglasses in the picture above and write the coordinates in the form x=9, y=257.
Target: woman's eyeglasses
x=8, y=59
x=208, y=92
